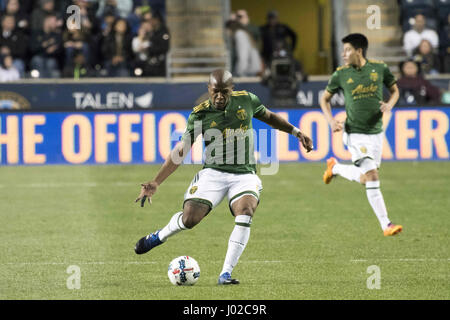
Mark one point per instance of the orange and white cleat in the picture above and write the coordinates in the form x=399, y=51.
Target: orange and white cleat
x=328, y=174
x=392, y=229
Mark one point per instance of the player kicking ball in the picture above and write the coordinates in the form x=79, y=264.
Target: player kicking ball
x=225, y=121
x=362, y=82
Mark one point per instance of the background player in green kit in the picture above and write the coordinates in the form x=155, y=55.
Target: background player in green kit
x=362, y=81
x=225, y=120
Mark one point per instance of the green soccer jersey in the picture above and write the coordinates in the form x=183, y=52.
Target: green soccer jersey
x=228, y=133
x=363, y=91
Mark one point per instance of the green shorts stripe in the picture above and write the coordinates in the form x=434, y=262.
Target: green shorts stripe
x=242, y=193
x=204, y=201
x=357, y=163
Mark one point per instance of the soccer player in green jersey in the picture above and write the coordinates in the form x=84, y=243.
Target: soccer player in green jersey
x=225, y=120
x=362, y=81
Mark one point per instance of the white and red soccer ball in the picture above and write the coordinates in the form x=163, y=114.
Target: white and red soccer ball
x=183, y=271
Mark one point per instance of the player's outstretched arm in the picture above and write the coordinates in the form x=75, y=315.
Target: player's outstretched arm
x=277, y=122
x=175, y=159
x=326, y=109
x=395, y=95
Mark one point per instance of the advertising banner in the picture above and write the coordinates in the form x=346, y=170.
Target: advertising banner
x=147, y=137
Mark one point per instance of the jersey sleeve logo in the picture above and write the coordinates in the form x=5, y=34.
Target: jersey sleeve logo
x=350, y=80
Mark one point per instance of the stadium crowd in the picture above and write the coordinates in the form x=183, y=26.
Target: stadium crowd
x=111, y=38
x=254, y=48
x=426, y=43
x=121, y=38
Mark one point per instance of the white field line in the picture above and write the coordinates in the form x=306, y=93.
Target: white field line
x=115, y=263
x=48, y=185
x=78, y=263
x=401, y=260
x=242, y=262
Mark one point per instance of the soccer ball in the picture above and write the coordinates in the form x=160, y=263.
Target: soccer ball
x=183, y=271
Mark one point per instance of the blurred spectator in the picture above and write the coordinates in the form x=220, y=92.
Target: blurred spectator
x=13, y=8
x=47, y=47
x=243, y=18
x=159, y=46
x=107, y=23
x=414, y=88
x=445, y=46
x=78, y=67
x=275, y=35
x=45, y=8
x=135, y=18
x=116, y=50
x=248, y=62
x=413, y=37
x=429, y=61
x=88, y=19
x=233, y=16
x=100, y=39
x=152, y=5
x=147, y=16
x=15, y=40
x=122, y=8
x=90, y=28
x=76, y=40
x=140, y=46
x=7, y=70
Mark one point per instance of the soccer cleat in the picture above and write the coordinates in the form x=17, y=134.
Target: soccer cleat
x=328, y=174
x=225, y=278
x=392, y=229
x=147, y=243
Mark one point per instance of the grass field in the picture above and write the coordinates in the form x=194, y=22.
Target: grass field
x=308, y=240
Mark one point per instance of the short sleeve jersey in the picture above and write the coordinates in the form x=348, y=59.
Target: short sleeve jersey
x=228, y=133
x=363, y=91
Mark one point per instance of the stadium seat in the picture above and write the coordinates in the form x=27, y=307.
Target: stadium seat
x=443, y=10
x=417, y=4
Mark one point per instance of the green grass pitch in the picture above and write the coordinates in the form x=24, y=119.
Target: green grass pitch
x=308, y=240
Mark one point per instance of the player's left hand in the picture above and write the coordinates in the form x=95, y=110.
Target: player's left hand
x=306, y=142
x=147, y=191
x=385, y=107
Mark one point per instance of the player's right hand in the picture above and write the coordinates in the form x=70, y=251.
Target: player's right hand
x=148, y=189
x=336, y=126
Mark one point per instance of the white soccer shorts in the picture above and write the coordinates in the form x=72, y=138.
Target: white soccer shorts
x=210, y=186
x=363, y=146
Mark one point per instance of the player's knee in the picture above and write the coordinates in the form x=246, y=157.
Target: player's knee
x=362, y=179
x=372, y=175
x=189, y=221
x=247, y=210
x=368, y=167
